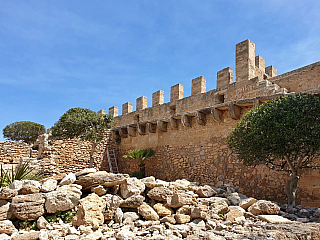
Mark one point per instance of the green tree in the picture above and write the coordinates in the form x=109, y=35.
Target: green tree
x=140, y=156
x=84, y=124
x=24, y=131
x=284, y=134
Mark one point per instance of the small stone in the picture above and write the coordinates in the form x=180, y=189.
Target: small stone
x=99, y=190
x=182, y=219
x=7, y=227
x=169, y=219
x=246, y=203
x=206, y=191
x=162, y=210
x=125, y=235
x=133, y=215
x=147, y=212
x=42, y=223
x=118, y=215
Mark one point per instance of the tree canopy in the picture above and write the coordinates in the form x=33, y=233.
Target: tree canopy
x=24, y=131
x=284, y=134
x=84, y=124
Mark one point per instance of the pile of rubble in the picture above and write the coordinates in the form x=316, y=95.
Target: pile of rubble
x=115, y=206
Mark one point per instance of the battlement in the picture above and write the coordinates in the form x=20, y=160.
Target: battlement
x=254, y=84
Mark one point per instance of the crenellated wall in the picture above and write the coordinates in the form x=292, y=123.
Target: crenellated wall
x=189, y=133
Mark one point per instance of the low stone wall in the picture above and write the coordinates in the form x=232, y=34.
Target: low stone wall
x=11, y=152
x=64, y=156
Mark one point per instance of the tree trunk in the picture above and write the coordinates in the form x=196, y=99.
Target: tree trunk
x=291, y=188
x=94, y=144
x=142, y=169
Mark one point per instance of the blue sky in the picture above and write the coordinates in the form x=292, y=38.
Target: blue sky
x=55, y=55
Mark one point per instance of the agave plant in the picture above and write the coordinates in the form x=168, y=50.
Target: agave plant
x=23, y=172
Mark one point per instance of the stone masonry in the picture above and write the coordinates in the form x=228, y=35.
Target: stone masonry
x=189, y=134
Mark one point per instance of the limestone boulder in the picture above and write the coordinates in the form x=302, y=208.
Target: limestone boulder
x=131, y=186
x=28, y=189
x=16, y=185
x=7, y=193
x=160, y=193
x=7, y=227
x=69, y=179
x=64, y=198
x=85, y=171
x=162, y=210
x=28, y=207
x=6, y=211
x=132, y=202
x=147, y=212
x=206, y=191
x=275, y=219
x=234, y=212
x=133, y=215
x=112, y=201
x=179, y=199
x=90, y=211
x=149, y=182
x=103, y=178
x=27, y=236
x=200, y=211
x=31, y=182
x=263, y=207
x=218, y=206
x=181, y=184
x=49, y=185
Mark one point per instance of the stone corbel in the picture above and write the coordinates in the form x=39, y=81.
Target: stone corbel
x=162, y=126
x=152, y=128
x=173, y=123
x=114, y=134
x=256, y=103
x=186, y=120
x=123, y=132
x=234, y=111
x=141, y=129
x=132, y=131
x=216, y=115
x=200, y=118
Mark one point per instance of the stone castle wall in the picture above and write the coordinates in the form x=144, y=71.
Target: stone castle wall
x=189, y=134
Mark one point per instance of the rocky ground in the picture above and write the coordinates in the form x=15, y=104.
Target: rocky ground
x=115, y=206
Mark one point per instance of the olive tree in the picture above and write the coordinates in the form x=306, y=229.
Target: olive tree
x=24, y=131
x=283, y=134
x=84, y=124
